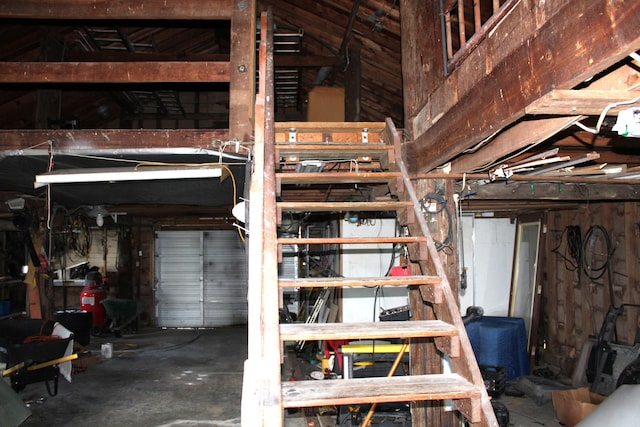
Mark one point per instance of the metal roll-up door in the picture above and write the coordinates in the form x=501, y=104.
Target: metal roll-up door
x=201, y=279
x=225, y=279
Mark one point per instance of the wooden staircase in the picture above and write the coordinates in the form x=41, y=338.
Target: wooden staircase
x=375, y=160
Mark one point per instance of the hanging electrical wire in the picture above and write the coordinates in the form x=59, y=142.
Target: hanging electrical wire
x=594, y=270
x=433, y=205
x=572, y=254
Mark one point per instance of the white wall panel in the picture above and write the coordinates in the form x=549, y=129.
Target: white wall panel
x=363, y=304
x=488, y=249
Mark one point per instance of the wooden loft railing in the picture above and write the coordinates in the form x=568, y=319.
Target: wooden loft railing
x=467, y=22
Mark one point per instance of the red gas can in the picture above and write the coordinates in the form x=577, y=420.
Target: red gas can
x=90, y=300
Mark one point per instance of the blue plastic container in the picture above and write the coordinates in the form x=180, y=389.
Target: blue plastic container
x=500, y=341
x=5, y=308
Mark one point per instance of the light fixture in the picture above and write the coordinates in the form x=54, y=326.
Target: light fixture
x=144, y=173
x=16, y=204
x=239, y=211
x=98, y=212
x=306, y=166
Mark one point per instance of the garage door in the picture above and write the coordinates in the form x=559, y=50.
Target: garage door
x=201, y=279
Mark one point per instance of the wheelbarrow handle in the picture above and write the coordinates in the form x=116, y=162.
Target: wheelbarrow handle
x=21, y=365
x=73, y=356
x=13, y=369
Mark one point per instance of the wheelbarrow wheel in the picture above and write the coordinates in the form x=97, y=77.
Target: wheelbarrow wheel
x=96, y=331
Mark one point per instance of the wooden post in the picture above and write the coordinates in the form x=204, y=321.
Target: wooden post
x=242, y=69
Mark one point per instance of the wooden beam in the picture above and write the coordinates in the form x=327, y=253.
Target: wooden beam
x=563, y=192
x=242, y=69
x=114, y=72
x=586, y=102
x=109, y=9
x=522, y=134
x=548, y=59
x=65, y=139
x=261, y=394
x=114, y=56
x=420, y=39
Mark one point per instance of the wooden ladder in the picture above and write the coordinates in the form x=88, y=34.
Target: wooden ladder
x=375, y=149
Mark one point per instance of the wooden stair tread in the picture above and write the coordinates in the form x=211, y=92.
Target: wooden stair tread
x=343, y=206
x=335, y=177
x=341, y=282
x=377, y=390
x=366, y=330
x=348, y=240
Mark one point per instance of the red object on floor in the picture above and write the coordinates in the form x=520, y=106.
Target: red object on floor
x=91, y=300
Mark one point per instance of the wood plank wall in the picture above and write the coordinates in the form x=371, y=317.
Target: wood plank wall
x=575, y=304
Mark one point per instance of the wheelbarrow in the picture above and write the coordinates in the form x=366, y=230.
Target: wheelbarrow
x=35, y=350
x=122, y=314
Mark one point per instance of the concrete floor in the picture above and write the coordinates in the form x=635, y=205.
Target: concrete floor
x=155, y=378
x=159, y=378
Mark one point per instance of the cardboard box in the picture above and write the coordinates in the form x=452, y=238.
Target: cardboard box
x=571, y=406
x=326, y=104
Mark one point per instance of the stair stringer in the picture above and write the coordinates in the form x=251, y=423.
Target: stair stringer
x=448, y=311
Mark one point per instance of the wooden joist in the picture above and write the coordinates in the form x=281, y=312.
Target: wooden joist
x=114, y=72
x=81, y=139
x=108, y=9
x=585, y=102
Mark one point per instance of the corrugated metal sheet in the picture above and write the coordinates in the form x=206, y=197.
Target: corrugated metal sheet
x=288, y=268
x=225, y=279
x=201, y=279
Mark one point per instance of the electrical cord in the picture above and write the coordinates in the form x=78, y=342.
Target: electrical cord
x=579, y=253
x=595, y=272
x=574, y=246
x=588, y=255
x=572, y=255
x=441, y=206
